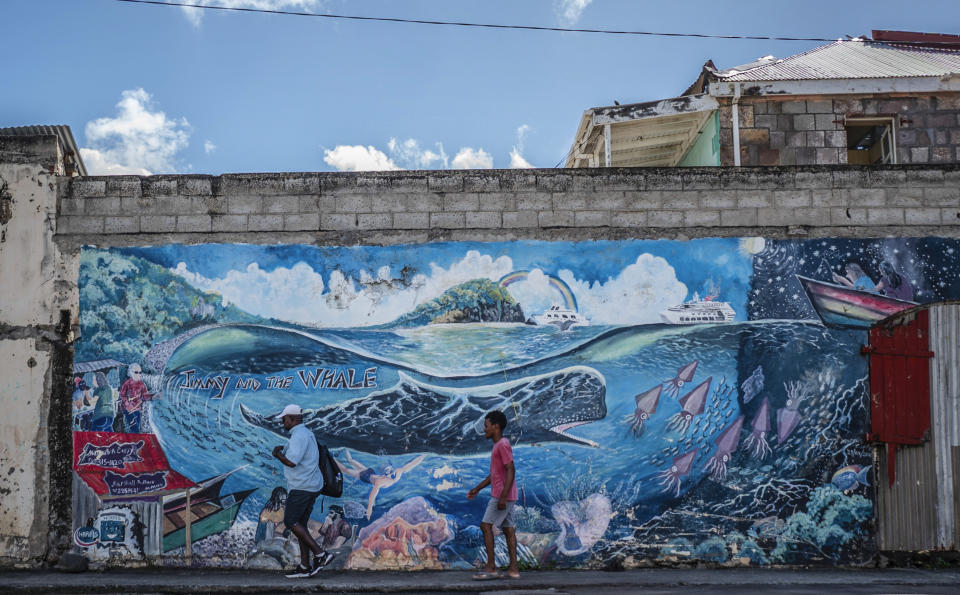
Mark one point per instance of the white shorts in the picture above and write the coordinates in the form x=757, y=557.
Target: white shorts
x=499, y=518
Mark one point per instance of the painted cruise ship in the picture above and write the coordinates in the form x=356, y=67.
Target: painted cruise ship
x=698, y=311
x=560, y=317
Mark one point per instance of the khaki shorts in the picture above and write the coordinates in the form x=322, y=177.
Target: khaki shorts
x=499, y=518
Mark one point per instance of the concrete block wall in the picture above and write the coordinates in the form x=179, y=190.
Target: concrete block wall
x=404, y=207
x=810, y=130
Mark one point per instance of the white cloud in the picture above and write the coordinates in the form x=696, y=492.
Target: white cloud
x=358, y=158
x=469, y=158
x=209, y=147
x=302, y=295
x=195, y=15
x=517, y=160
x=635, y=296
x=98, y=164
x=139, y=140
x=569, y=11
x=411, y=155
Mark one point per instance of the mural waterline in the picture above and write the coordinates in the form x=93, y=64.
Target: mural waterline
x=665, y=399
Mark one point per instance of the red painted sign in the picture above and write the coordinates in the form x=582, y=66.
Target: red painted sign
x=124, y=465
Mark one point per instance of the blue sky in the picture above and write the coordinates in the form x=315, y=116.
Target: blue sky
x=160, y=90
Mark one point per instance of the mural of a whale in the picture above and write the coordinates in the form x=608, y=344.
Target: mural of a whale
x=412, y=416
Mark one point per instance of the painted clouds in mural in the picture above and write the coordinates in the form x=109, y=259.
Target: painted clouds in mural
x=700, y=399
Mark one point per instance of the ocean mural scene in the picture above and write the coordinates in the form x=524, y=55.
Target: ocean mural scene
x=666, y=400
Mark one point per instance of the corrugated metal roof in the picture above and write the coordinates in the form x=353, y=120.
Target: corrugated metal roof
x=93, y=366
x=850, y=60
x=61, y=131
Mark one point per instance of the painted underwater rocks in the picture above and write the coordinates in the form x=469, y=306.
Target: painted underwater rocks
x=850, y=477
x=726, y=445
x=757, y=440
x=693, y=403
x=412, y=416
x=582, y=524
x=407, y=537
x=684, y=375
x=671, y=478
x=646, y=406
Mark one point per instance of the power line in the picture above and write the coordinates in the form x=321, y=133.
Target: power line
x=490, y=25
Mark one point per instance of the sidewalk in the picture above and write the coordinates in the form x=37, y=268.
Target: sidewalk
x=557, y=582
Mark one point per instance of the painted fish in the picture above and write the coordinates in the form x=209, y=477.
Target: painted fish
x=851, y=476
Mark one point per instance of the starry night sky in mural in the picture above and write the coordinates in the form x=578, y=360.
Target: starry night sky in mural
x=930, y=264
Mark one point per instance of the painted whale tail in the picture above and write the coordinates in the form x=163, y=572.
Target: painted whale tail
x=262, y=421
x=863, y=477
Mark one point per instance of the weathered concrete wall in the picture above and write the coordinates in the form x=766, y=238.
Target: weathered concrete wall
x=396, y=207
x=810, y=131
x=35, y=315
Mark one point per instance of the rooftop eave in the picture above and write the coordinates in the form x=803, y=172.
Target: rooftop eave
x=666, y=127
x=929, y=84
x=613, y=114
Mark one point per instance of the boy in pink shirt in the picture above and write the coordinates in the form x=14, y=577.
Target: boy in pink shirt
x=503, y=488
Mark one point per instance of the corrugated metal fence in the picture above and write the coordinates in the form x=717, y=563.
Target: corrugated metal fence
x=920, y=510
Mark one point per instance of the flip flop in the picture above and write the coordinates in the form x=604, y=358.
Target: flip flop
x=510, y=576
x=486, y=576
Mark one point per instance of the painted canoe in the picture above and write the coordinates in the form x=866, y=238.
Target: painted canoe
x=209, y=518
x=210, y=513
x=842, y=307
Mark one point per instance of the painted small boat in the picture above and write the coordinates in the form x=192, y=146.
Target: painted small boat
x=210, y=512
x=843, y=307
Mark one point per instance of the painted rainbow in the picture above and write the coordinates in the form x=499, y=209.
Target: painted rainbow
x=569, y=300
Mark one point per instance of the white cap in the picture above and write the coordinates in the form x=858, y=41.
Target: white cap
x=290, y=410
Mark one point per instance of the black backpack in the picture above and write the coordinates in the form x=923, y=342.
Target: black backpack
x=332, y=476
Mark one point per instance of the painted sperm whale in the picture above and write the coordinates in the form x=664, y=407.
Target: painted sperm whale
x=412, y=416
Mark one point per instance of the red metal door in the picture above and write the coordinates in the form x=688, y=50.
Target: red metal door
x=899, y=383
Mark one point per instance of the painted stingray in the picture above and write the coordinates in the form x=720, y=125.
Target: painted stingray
x=412, y=416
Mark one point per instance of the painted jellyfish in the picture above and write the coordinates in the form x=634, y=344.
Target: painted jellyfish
x=692, y=404
x=646, y=406
x=752, y=386
x=788, y=417
x=684, y=375
x=726, y=443
x=757, y=440
x=670, y=478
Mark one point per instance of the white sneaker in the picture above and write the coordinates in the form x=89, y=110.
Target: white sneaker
x=300, y=571
x=319, y=562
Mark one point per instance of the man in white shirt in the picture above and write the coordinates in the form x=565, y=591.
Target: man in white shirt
x=301, y=458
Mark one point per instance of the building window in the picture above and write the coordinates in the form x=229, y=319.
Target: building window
x=871, y=141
